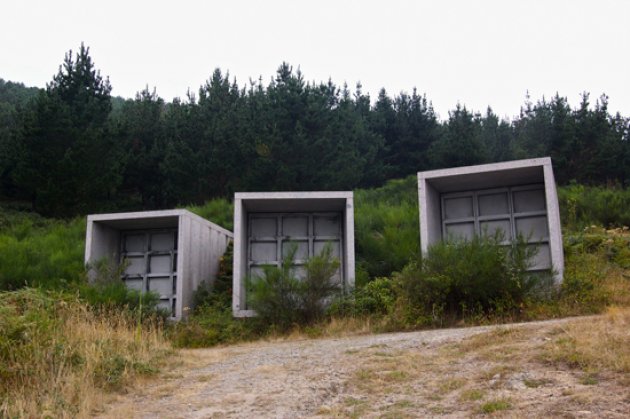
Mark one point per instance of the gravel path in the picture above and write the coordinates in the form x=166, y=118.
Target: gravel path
x=275, y=379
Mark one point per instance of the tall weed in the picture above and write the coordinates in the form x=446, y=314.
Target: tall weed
x=57, y=355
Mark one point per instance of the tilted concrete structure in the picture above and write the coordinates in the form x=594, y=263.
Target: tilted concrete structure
x=169, y=252
x=516, y=197
x=268, y=224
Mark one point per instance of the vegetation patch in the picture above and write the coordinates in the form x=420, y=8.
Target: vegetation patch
x=495, y=406
x=57, y=355
x=594, y=344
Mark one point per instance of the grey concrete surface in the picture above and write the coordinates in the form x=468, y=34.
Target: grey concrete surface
x=189, y=259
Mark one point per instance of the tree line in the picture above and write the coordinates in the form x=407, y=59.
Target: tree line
x=72, y=148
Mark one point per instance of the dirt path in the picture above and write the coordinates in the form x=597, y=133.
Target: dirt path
x=451, y=372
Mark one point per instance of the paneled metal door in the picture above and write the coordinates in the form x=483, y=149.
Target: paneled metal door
x=520, y=210
x=272, y=236
x=150, y=258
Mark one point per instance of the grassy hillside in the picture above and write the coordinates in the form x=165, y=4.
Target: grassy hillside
x=48, y=317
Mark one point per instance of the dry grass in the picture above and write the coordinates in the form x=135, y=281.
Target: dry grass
x=596, y=344
x=57, y=357
x=516, y=370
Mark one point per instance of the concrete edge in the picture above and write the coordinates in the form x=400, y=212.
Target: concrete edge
x=484, y=168
x=294, y=195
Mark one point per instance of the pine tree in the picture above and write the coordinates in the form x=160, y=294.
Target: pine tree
x=70, y=163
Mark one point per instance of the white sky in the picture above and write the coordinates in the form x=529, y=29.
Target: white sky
x=477, y=53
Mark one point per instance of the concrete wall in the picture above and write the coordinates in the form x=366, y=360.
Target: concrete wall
x=204, y=243
x=287, y=202
x=102, y=242
x=509, y=176
x=200, y=245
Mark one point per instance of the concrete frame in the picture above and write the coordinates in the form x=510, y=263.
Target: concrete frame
x=432, y=184
x=287, y=202
x=200, y=245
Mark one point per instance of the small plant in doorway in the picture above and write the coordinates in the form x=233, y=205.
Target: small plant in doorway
x=282, y=299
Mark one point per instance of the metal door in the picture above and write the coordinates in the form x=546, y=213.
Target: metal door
x=150, y=258
x=520, y=210
x=271, y=237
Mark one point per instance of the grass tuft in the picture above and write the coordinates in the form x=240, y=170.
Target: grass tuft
x=495, y=406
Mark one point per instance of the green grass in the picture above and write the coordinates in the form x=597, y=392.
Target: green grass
x=495, y=406
x=40, y=252
x=220, y=211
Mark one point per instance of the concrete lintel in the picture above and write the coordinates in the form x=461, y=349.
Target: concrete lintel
x=294, y=195
x=116, y=217
x=485, y=168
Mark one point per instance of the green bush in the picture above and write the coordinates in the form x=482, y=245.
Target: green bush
x=283, y=300
x=386, y=228
x=210, y=325
x=211, y=321
x=478, y=276
x=377, y=297
x=582, y=206
x=586, y=254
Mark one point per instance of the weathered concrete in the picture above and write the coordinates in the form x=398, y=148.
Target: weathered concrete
x=195, y=254
x=275, y=207
x=519, y=196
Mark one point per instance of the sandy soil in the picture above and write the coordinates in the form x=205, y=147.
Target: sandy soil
x=499, y=370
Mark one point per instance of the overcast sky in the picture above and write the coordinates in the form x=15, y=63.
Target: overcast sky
x=477, y=53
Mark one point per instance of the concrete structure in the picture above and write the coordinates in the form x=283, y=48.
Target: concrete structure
x=268, y=224
x=516, y=197
x=170, y=252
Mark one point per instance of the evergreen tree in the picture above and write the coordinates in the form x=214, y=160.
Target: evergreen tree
x=140, y=129
x=70, y=163
x=461, y=143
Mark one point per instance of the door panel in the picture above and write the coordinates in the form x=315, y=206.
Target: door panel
x=151, y=258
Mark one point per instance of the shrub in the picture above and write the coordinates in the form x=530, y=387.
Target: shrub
x=479, y=276
x=386, y=228
x=377, y=297
x=281, y=299
x=582, y=206
x=209, y=325
x=211, y=321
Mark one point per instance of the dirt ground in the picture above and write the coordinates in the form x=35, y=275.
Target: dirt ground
x=505, y=371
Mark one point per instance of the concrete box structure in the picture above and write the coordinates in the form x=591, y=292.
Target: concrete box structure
x=516, y=197
x=169, y=252
x=268, y=224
